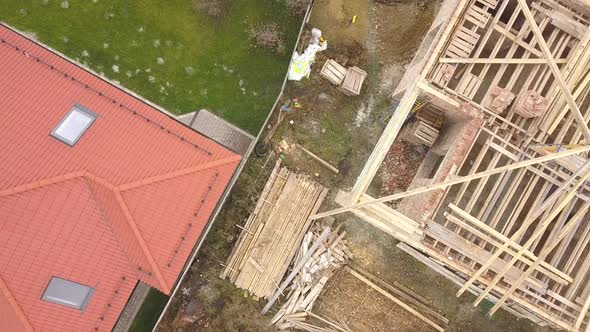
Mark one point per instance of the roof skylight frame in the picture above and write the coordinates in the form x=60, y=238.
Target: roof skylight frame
x=59, y=289
x=70, y=133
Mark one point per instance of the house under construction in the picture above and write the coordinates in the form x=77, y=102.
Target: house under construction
x=500, y=204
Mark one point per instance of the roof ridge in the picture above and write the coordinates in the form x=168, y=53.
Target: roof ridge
x=142, y=244
x=41, y=183
x=17, y=309
x=65, y=75
x=177, y=173
x=131, y=222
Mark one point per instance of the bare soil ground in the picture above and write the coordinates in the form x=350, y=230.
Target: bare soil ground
x=371, y=311
x=341, y=130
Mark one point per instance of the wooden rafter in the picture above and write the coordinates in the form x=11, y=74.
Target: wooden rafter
x=458, y=180
x=498, y=61
x=574, y=222
x=563, y=201
x=565, y=90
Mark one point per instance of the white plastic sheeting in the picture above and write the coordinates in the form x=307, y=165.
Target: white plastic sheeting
x=301, y=63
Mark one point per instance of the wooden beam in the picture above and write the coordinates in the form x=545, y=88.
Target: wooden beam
x=501, y=61
x=318, y=159
x=458, y=180
x=547, y=268
x=555, y=69
x=543, y=224
x=583, y=313
x=380, y=151
x=544, y=253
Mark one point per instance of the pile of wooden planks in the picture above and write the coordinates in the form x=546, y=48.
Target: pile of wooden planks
x=271, y=236
x=317, y=268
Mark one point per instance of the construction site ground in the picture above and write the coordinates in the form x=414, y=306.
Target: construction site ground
x=341, y=130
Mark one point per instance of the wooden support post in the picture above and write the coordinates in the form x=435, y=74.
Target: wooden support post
x=458, y=180
x=380, y=151
x=555, y=69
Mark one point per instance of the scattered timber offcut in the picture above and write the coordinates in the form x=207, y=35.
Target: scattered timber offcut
x=318, y=266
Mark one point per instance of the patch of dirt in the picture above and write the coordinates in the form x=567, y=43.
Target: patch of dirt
x=333, y=17
x=212, y=8
x=298, y=7
x=363, y=309
x=399, y=28
x=268, y=36
x=391, y=75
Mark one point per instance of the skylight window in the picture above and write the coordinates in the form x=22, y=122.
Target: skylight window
x=67, y=293
x=74, y=125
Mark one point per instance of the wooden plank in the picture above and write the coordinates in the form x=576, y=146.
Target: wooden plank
x=528, y=61
x=319, y=160
x=477, y=254
x=544, y=253
x=582, y=125
x=556, y=274
x=296, y=269
x=585, y=174
x=458, y=180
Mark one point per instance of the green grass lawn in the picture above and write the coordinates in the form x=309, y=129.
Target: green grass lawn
x=167, y=51
x=149, y=312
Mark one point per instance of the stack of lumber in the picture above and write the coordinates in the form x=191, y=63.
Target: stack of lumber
x=353, y=81
x=317, y=267
x=333, y=72
x=273, y=232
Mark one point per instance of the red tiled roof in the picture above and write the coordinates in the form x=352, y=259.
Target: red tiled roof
x=127, y=202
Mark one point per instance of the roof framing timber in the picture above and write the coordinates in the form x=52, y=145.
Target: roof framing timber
x=507, y=224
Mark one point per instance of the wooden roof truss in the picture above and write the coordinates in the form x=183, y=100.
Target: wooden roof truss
x=514, y=219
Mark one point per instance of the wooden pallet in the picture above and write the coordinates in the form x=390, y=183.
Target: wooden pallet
x=353, y=82
x=420, y=133
x=430, y=116
x=333, y=72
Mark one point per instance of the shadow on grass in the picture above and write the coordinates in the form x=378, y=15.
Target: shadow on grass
x=149, y=312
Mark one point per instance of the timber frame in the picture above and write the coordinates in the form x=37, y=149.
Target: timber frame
x=506, y=213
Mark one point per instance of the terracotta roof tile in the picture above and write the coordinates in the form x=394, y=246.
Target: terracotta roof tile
x=127, y=202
